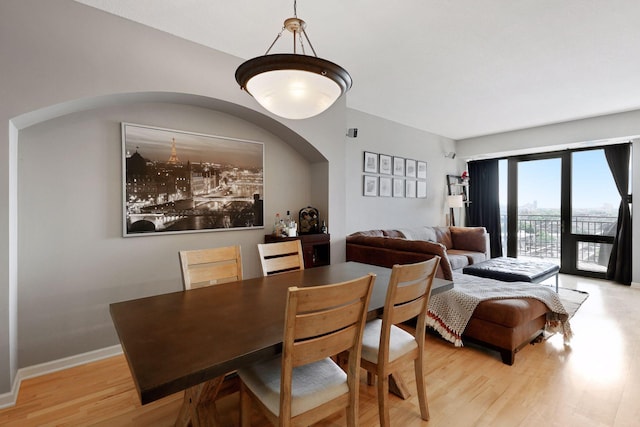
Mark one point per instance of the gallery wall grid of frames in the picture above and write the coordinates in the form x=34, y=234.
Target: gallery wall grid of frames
x=393, y=176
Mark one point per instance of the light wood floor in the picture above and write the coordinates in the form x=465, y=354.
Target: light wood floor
x=593, y=381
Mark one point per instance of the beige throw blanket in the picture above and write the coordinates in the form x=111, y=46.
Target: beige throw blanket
x=449, y=312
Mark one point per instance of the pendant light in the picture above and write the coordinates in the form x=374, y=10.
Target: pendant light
x=293, y=86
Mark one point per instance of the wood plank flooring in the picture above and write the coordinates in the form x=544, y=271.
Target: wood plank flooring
x=593, y=381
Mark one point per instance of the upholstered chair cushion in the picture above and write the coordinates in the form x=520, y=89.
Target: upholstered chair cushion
x=313, y=384
x=400, y=341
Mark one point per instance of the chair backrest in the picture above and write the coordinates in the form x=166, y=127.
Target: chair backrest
x=281, y=257
x=206, y=267
x=322, y=321
x=407, y=298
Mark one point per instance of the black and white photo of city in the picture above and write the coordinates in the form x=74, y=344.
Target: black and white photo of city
x=177, y=181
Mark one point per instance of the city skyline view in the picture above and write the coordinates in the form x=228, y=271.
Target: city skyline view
x=539, y=183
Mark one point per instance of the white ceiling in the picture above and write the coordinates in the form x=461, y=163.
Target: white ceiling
x=457, y=68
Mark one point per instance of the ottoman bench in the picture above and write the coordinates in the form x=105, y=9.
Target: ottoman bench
x=507, y=325
x=514, y=270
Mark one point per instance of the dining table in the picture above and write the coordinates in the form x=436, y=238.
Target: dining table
x=182, y=340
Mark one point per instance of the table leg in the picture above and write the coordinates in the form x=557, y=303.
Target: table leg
x=398, y=387
x=198, y=408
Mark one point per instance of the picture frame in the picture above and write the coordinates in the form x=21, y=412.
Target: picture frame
x=176, y=181
x=410, y=168
x=410, y=188
x=421, y=189
x=398, y=166
x=398, y=187
x=385, y=164
x=385, y=187
x=421, y=170
x=370, y=186
x=370, y=162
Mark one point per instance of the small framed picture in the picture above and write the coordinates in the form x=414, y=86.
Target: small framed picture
x=410, y=168
x=410, y=188
x=398, y=166
x=398, y=187
x=421, y=189
x=370, y=185
x=370, y=162
x=385, y=186
x=422, y=170
x=385, y=164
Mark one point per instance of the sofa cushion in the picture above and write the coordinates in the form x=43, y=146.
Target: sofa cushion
x=443, y=235
x=457, y=261
x=472, y=257
x=469, y=238
x=427, y=234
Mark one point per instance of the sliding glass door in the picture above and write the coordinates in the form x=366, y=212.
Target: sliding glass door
x=562, y=207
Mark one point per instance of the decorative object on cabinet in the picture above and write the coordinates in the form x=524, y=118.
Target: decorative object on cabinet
x=309, y=220
x=177, y=181
x=316, y=248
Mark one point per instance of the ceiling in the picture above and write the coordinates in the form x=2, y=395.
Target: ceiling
x=459, y=69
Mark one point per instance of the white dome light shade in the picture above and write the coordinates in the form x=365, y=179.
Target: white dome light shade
x=293, y=86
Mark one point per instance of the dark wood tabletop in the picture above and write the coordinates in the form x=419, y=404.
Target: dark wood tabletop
x=177, y=340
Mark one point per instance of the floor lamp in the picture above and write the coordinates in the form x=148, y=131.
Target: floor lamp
x=454, y=201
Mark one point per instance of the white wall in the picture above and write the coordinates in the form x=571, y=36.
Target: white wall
x=382, y=136
x=574, y=134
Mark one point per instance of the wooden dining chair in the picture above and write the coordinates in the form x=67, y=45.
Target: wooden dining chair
x=281, y=257
x=206, y=267
x=201, y=268
x=385, y=346
x=305, y=385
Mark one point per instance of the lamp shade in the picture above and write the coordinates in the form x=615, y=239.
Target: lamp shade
x=455, y=201
x=293, y=86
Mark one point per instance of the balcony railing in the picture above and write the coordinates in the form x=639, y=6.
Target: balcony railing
x=539, y=237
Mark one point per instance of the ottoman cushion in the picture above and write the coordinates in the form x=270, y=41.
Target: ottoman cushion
x=513, y=270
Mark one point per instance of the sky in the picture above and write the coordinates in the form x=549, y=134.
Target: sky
x=539, y=181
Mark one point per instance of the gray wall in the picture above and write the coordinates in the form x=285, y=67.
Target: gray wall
x=73, y=260
x=91, y=70
x=385, y=137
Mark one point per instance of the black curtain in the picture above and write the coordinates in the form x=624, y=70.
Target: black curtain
x=484, y=209
x=619, y=268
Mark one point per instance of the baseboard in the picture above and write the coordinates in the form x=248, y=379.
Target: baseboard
x=635, y=285
x=10, y=398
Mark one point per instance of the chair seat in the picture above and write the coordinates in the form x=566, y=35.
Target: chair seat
x=400, y=342
x=312, y=384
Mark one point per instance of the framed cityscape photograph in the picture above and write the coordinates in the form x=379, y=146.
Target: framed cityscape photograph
x=398, y=166
x=385, y=164
x=398, y=187
x=177, y=181
x=370, y=185
x=370, y=162
x=410, y=166
x=385, y=189
x=421, y=170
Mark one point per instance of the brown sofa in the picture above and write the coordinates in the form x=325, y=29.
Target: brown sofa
x=504, y=325
x=456, y=246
